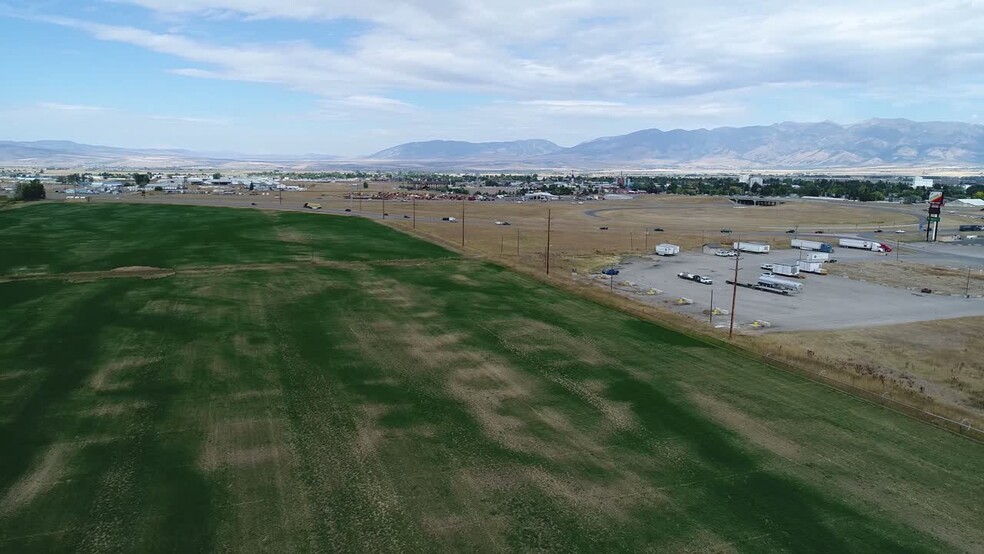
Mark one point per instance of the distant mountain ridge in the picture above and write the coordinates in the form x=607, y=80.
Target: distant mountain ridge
x=876, y=143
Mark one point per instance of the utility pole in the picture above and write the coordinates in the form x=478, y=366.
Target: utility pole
x=280, y=191
x=517, y=245
x=502, y=244
x=384, y=207
x=647, y=240
x=967, y=292
x=462, y=221
x=898, y=247
x=710, y=313
x=548, y=243
x=630, y=242
x=734, y=295
x=414, y=212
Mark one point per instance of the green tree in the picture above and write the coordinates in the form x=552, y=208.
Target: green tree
x=141, y=179
x=216, y=175
x=29, y=191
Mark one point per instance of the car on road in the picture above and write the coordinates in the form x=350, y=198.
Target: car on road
x=818, y=232
x=726, y=253
x=449, y=218
x=252, y=203
x=312, y=206
x=348, y=209
x=406, y=217
x=658, y=229
x=899, y=231
x=791, y=231
x=502, y=223
x=878, y=230
x=603, y=228
x=725, y=230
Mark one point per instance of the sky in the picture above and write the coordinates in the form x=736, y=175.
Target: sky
x=350, y=77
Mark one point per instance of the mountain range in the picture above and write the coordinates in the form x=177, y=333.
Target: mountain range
x=876, y=143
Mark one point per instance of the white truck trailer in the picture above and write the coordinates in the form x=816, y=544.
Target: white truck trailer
x=816, y=256
x=667, y=249
x=804, y=244
x=789, y=269
x=812, y=266
x=864, y=244
x=768, y=280
x=754, y=247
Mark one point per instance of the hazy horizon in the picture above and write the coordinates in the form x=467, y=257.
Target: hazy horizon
x=350, y=79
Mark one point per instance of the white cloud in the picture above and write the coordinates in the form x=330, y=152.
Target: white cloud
x=69, y=107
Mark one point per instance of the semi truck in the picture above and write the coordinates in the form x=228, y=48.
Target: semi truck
x=804, y=244
x=863, y=244
x=771, y=281
x=754, y=247
x=811, y=266
x=667, y=249
x=972, y=227
x=816, y=256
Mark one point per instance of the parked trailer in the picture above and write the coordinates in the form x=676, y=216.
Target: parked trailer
x=790, y=269
x=863, y=244
x=772, y=281
x=816, y=256
x=812, y=266
x=758, y=287
x=803, y=244
x=667, y=250
x=754, y=247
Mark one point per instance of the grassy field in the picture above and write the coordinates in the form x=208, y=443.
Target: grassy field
x=305, y=382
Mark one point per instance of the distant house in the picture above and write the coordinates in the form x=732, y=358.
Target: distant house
x=922, y=183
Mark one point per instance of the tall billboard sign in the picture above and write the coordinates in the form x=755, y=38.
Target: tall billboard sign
x=936, y=202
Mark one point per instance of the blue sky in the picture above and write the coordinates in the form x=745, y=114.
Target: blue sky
x=349, y=77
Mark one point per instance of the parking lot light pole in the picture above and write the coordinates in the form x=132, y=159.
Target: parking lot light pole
x=734, y=293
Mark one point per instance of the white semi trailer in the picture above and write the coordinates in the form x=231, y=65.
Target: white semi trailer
x=864, y=244
x=754, y=247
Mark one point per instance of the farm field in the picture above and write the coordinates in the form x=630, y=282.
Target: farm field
x=287, y=381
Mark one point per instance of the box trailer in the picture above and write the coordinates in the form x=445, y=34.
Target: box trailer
x=804, y=244
x=864, y=244
x=812, y=266
x=816, y=256
x=770, y=281
x=789, y=269
x=667, y=249
x=754, y=247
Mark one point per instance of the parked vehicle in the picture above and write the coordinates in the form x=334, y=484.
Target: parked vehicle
x=811, y=245
x=812, y=266
x=755, y=247
x=312, y=206
x=863, y=244
x=772, y=281
x=783, y=268
x=610, y=271
x=816, y=256
x=667, y=250
x=695, y=278
x=726, y=253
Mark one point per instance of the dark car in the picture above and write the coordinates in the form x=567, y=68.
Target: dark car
x=610, y=271
x=725, y=230
x=252, y=203
x=348, y=209
x=658, y=229
x=878, y=230
x=791, y=231
x=603, y=228
x=818, y=232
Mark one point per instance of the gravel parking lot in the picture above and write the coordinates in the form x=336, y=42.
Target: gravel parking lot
x=826, y=302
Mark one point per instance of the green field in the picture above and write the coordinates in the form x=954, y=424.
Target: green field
x=304, y=382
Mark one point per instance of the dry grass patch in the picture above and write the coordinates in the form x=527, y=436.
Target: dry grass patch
x=46, y=473
x=914, y=276
x=112, y=375
x=245, y=443
x=749, y=428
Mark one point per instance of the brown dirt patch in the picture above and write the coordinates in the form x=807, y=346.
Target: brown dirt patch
x=756, y=432
x=42, y=478
x=243, y=443
x=618, y=414
x=914, y=276
x=111, y=376
x=530, y=336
